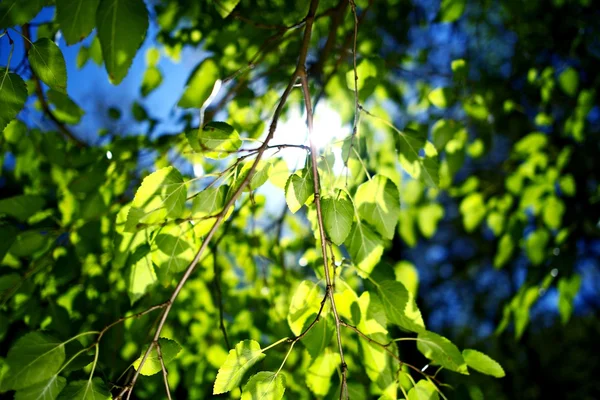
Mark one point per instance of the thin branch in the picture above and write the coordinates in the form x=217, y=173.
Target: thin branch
x=164, y=369
x=169, y=304
x=322, y=234
x=40, y=94
x=217, y=272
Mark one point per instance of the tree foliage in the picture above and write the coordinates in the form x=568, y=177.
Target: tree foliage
x=246, y=262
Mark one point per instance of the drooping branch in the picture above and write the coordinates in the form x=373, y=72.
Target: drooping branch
x=300, y=69
x=322, y=234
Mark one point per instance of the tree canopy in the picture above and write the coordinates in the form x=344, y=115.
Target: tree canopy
x=329, y=199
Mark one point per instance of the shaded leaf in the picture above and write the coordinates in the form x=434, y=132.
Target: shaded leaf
x=13, y=94
x=76, y=18
x=48, y=390
x=18, y=12
x=122, y=26
x=48, y=64
x=21, y=207
x=65, y=109
x=91, y=389
x=442, y=351
x=34, y=358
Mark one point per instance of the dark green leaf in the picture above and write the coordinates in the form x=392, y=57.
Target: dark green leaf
x=13, y=94
x=76, y=18
x=48, y=63
x=122, y=26
x=47, y=390
x=91, y=389
x=18, y=12
x=21, y=207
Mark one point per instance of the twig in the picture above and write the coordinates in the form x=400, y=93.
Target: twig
x=217, y=272
x=40, y=94
x=322, y=234
x=164, y=370
x=169, y=304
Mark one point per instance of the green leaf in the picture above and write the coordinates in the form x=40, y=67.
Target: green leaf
x=18, y=12
x=569, y=81
x=34, y=358
x=451, y=10
x=76, y=18
x=320, y=335
x=91, y=389
x=239, y=360
x=151, y=80
x=96, y=51
x=567, y=290
x=318, y=376
x=439, y=97
x=65, y=109
x=425, y=168
x=13, y=94
x=423, y=390
x=8, y=234
x=553, y=211
x=337, y=217
x=200, y=85
x=400, y=306
x=218, y=140
x=21, y=207
x=365, y=248
x=473, y=210
x=47, y=390
x=505, y=249
x=442, y=351
x=162, y=194
x=298, y=189
x=378, y=203
x=225, y=7
x=264, y=386
x=122, y=26
x=429, y=216
x=535, y=246
x=48, y=63
x=173, y=249
x=209, y=201
x=141, y=275
x=483, y=363
x=168, y=351
x=305, y=304
x=260, y=176
x=442, y=132
x=28, y=243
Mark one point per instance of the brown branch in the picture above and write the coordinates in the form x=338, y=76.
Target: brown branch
x=40, y=94
x=169, y=304
x=164, y=369
x=322, y=234
x=356, y=99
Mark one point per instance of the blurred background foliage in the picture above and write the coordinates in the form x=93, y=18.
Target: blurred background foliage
x=502, y=254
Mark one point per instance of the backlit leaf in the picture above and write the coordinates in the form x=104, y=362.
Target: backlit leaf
x=483, y=363
x=338, y=214
x=400, y=307
x=65, y=109
x=378, y=203
x=365, y=248
x=298, y=189
x=423, y=390
x=305, y=303
x=200, y=85
x=225, y=7
x=218, y=140
x=451, y=10
x=264, y=386
x=162, y=194
x=141, y=275
x=239, y=360
x=168, y=351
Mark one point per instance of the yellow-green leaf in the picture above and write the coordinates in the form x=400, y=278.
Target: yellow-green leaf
x=168, y=351
x=483, y=363
x=239, y=360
